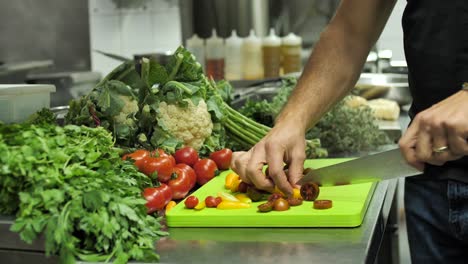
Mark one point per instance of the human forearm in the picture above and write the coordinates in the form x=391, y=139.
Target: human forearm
x=336, y=61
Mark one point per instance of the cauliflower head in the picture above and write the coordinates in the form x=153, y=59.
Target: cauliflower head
x=129, y=109
x=191, y=124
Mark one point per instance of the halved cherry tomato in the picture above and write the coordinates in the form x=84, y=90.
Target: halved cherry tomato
x=162, y=166
x=222, y=158
x=182, y=181
x=205, y=169
x=157, y=197
x=191, y=202
x=187, y=155
x=138, y=157
x=309, y=191
x=161, y=153
x=323, y=204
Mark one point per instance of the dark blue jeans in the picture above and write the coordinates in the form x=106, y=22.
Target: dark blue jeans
x=437, y=220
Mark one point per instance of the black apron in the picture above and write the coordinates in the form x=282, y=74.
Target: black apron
x=436, y=49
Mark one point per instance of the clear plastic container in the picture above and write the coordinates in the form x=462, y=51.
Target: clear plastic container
x=291, y=46
x=19, y=101
x=252, y=57
x=271, y=51
x=233, y=61
x=215, y=57
x=196, y=45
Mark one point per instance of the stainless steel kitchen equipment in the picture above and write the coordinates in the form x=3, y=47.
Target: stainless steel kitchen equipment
x=375, y=167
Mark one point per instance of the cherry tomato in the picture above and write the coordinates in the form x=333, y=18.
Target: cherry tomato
x=280, y=204
x=323, y=204
x=161, y=153
x=191, y=202
x=182, y=181
x=310, y=191
x=157, y=197
x=243, y=187
x=265, y=207
x=138, y=157
x=205, y=169
x=162, y=166
x=212, y=201
x=187, y=155
x=222, y=158
x=294, y=201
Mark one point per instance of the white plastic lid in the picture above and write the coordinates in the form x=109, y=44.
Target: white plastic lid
x=252, y=39
x=18, y=89
x=234, y=39
x=292, y=40
x=214, y=39
x=195, y=41
x=272, y=39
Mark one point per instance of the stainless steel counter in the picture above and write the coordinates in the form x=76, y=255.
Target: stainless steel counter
x=255, y=245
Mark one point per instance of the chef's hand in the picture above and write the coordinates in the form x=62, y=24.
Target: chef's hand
x=283, y=144
x=438, y=134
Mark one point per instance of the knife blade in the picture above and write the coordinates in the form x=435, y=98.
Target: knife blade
x=380, y=166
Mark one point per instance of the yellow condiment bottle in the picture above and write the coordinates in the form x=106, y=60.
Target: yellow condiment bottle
x=271, y=51
x=291, y=46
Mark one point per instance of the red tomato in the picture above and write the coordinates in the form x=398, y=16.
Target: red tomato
x=187, y=155
x=212, y=202
x=222, y=158
x=162, y=166
x=161, y=153
x=157, y=197
x=191, y=202
x=205, y=169
x=190, y=172
x=181, y=182
x=138, y=157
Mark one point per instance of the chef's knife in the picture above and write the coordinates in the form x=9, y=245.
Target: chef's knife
x=381, y=166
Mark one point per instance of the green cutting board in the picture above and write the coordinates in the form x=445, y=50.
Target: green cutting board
x=349, y=207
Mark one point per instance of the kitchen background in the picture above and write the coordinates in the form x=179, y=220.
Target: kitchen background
x=68, y=32
x=57, y=40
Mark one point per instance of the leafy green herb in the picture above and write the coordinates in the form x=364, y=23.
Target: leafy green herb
x=341, y=130
x=70, y=184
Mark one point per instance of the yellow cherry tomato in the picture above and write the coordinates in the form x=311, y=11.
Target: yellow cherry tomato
x=230, y=179
x=232, y=205
x=227, y=197
x=243, y=198
x=170, y=205
x=235, y=185
x=297, y=193
x=201, y=205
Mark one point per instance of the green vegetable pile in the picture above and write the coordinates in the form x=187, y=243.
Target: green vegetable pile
x=134, y=108
x=70, y=185
x=341, y=130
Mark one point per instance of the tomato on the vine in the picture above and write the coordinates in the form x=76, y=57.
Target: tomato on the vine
x=161, y=153
x=191, y=202
x=161, y=165
x=157, y=197
x=181, y=181
x=222, y=158
x=187, y=155
x=138, y=156
x=205, y=169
